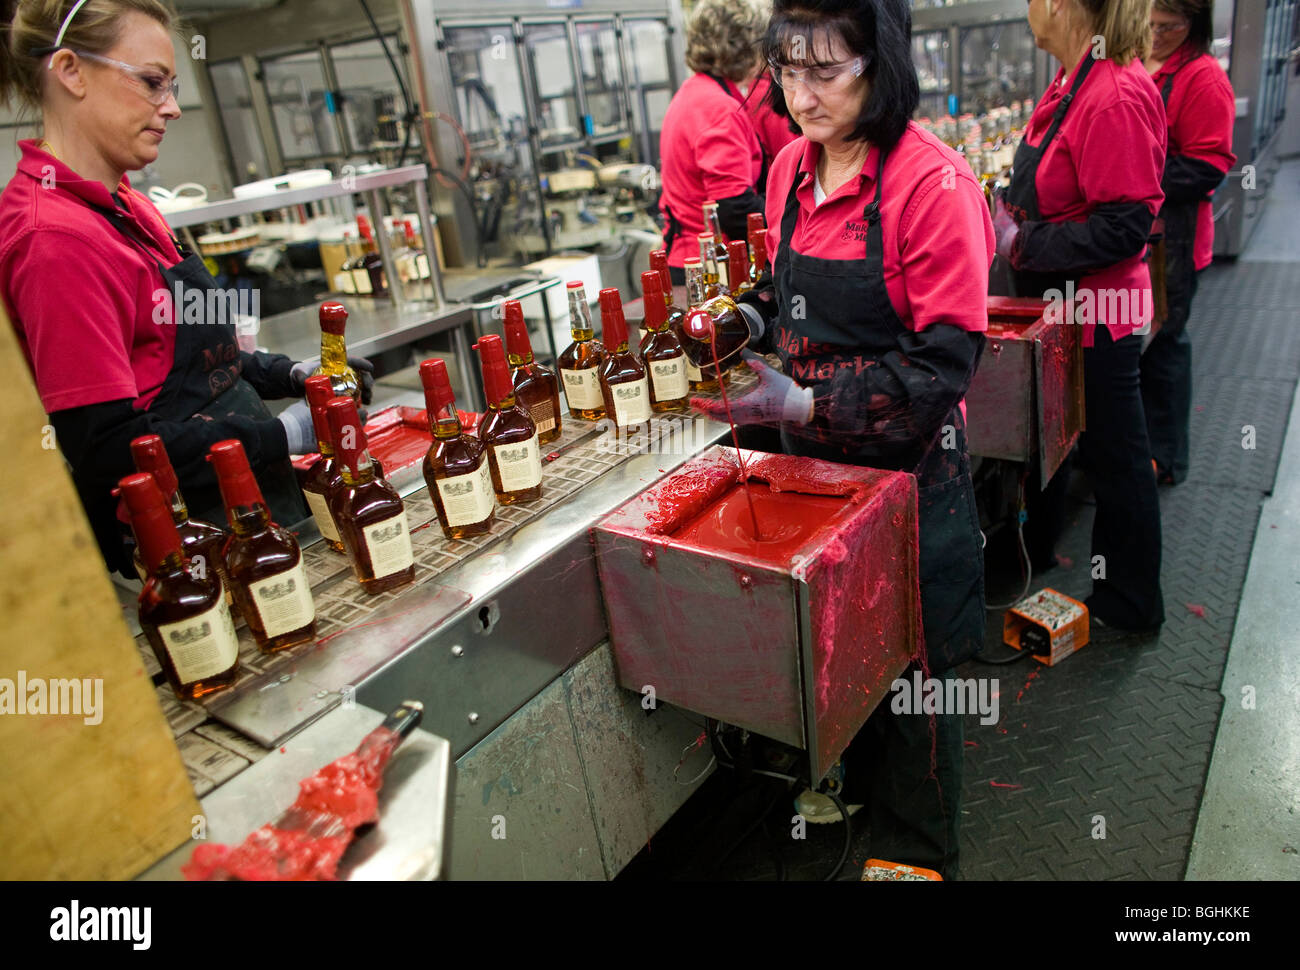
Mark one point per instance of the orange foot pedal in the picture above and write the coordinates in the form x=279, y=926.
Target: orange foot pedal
x=878, y=870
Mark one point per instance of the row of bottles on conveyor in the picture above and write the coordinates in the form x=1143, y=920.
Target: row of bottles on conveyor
x=363, y=273
x=988, y=141
x=608, y=378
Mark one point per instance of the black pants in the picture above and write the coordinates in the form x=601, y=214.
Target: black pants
x=906, y=769
x=1117, y=456
x=1167, y=382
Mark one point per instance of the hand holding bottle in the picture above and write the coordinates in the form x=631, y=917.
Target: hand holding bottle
x=365, y=373
x=776, y=400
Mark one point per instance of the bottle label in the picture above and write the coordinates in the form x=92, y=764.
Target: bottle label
x=283, y=601
x=692, y=372
x=320, y=511
x=520, y=464
x=468, y=499
x=202, y=646
x=543, y=415
x=343, y=282
x=582, y=389
x=389, y=545
x=361, y=281
x=670, y=379
x=631, y=402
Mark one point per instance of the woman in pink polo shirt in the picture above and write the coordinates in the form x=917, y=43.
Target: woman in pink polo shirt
x=881, y=245
x=1084, y=192
x=1200, y=108
x=89, y=273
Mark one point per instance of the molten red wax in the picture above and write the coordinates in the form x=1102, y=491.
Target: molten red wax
x=793, y=520
x=331, y=804
x=735, y=438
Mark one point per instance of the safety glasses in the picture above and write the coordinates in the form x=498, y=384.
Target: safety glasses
x=153, y=85
x=1169, y=28
x=819, y=80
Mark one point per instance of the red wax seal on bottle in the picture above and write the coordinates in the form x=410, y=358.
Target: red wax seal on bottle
x=652, y=292
x=151, y=519
x=333, y=317
x=348, y=436
x=698, y=325
x=496, y=375
x=437, y=386
x=150, y=456
x=517, y=342
x=613, y=325
x=319, y=391
x=234, y=477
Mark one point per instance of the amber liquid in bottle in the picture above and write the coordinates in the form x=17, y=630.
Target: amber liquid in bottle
x=536, y=387
x=456, y=469
x=334, y=352
x=507, y=431
x=721, y=255
x=624, y=381
x=579, y=365
x=712, y=282
x=369, y=512
x=662, y=352
x=263, y=561
x=182, y=610
x=740, y=266
x=322, y=478
x=701, y=358
x=676, y=318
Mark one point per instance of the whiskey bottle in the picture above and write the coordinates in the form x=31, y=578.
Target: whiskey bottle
x=722, y=325
x=334, y=351
x=757, y=256
x=662, y=351
x=721, y=256
x=702, y=357
x=579, y=365
x=624, y=383
x=507, y=430
x=739, y=267
x=201, y=541
x=368, y=269
x=342, y=281
x=712, y=281
x=369, y=512
x=535, y=386
x=456, y=468
x=263, y=561
x=183, y=614
x=322, y=478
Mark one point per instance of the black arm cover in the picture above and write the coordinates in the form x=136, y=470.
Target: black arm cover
x=269, y=374
x=1113, y=232
x=903, y=399
x=1189, y=179
x=763, y=299
x=96, y=441
x=733, y=213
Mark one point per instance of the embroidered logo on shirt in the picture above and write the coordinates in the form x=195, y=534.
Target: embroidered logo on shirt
x=855, y=230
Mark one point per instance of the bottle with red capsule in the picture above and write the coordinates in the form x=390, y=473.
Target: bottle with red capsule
x=713, y=284
x=624, y=383
x=368, y=511
x=579, y=364
x=507, y=431
x=662, y=351
x=756, y=233
x=536, y=387
x=322, y=478
x=334, y=351
x=263, y=562
x=738, y=266
x=201, y=541
x=456, y=469
x=183, y=613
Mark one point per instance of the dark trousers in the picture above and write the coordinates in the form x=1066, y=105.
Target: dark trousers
x=906, y=769
x=1117, y=456
x=1167, y=382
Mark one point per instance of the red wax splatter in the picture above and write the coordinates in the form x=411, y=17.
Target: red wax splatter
x=552, y=456
x=999, y=784
x=1065, y=561
x=972, y=744
x=735, y=438
x=309, y=840
x=1200, y=407
x=1196, y=609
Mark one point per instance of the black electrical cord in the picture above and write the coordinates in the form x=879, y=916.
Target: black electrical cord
x=848, y=835
x=1014, y=658
x=411, y=110
x=762, y=816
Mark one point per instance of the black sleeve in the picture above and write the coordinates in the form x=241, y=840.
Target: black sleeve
x=1189, y=179
x=905, y=396
x=1113, y=232
x=269, y=374
x=762, y=299
x=96, y=441
x=733, y=213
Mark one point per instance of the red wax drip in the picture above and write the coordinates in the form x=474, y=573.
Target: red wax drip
x=735, y=438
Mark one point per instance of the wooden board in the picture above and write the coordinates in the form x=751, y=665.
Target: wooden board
x=78, y=800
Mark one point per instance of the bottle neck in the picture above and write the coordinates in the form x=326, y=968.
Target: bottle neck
x=508, y=401
x=695, y=289
x=248, y=520
x=519, y=360
x=168, y=565
x=362, y=475
x=325, y=448
x=446, y=423
x=333, y=352
x=177, y=505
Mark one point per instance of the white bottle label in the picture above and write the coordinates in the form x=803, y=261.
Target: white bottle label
x=631, y=402
x=468, y=499
x=692, y=372
x=202, y=646
x=320, y=511
x=669, y=377
x=283, y=601
x=543, y=415
x=519, y=464
x=343, y=282
x=582, y=388
x=361, y=280
x=389, y=545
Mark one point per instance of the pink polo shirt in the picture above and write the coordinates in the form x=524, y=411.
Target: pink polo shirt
x=79, y=295
x=935, y=226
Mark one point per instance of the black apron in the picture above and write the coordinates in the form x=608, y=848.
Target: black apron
x=205, y=380
x=847, y=316
x=1180, y=246
x=1021, y=196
